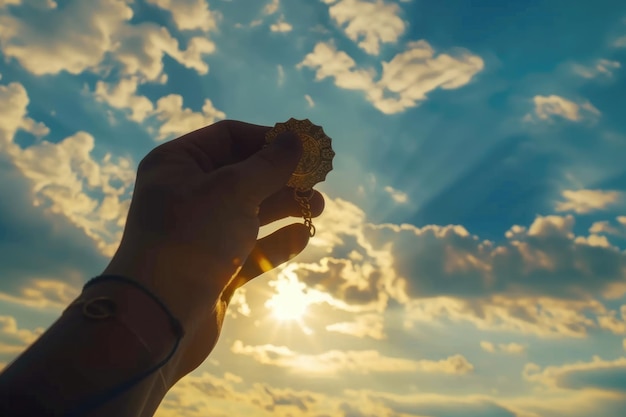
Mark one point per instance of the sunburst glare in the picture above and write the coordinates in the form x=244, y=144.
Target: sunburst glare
x=290, y=302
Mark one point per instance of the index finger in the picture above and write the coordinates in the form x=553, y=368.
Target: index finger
x=223, y=143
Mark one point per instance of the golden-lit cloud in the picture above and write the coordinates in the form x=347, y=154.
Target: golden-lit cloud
x=547, y=107
x=62, y=173
x=99, y=31
x=123, y=95
x=281, y=25
x=189, y=14
x=40, y=293
x=586, y=201
x=359, y=362
x=599, y=374
x=271, y=7
x=363, y=325
x=543, y=279
x=398, y=196
x=406, y=79
x=367, y=23
x=177, y=120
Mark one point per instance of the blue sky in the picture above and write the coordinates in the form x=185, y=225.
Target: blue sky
x=470, y=260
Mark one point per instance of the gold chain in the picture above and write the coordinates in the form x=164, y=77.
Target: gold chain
x=303, y=197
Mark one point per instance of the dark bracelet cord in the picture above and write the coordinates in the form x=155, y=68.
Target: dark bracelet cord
x=106, y=396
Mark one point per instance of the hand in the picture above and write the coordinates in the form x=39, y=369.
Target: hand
x=191, y=232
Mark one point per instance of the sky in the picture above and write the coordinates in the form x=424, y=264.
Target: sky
x=471, y=257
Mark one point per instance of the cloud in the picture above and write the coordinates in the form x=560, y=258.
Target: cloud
x=123, y=95
x=620, y=42
x=309, y=100
x=63, y=174
x=6, y=3
x=281, y=25
x=13, y=115
x=601, y=68
x=238, y=304
x=142, y=47
x=271, y=7
x=406, y=79
x=436, y=405
x=598, y=374
x=85, y=35
x=586, y=201
x=605, y=227
x=361, y=362
x=13, y=340
x=398, y=196
x=74, y=39
x=546, y=107
x=178, y=120
x=189, y=14
x=365, y=325
x=611, y=322
x=10, y=330
x=42, y=294
x=542, y=279
x=511, y=348
x=369, y=23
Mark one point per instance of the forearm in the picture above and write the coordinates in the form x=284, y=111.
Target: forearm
x=77, y=358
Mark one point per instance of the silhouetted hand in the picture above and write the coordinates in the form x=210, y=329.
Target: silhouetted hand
x=191, y=233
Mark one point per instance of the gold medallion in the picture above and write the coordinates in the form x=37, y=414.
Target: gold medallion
x=316, y=161
x=317, y=154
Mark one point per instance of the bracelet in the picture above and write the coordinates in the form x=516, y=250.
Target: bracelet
x=103, y=307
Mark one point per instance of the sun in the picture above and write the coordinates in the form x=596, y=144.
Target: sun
x=290, y=302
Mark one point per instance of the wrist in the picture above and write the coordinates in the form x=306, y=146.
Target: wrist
x=134, y=309
x=164, y=274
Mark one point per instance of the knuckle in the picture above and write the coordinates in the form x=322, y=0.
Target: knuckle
x=227, y=180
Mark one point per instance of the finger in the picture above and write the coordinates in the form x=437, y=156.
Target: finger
x=268, y=170
x=282, y=204
x=268, y=253
x=222, y=143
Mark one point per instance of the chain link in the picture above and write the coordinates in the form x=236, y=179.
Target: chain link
x=303, y=197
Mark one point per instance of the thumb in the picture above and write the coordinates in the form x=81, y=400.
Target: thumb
x=268, y=170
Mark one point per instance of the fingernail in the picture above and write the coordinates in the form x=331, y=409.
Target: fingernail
x=288, y=141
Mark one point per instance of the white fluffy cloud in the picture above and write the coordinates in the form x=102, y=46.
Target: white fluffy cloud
x=75, y=38
x=547, y=107
x=177, y=120
x=405, y=80
x=363, y=362
x=173, y=118
x=64, y=174
x=586, y=201
x=142, y=47
x=369, y=23
x=189, y=14
x=123, y=95
x=83, y=35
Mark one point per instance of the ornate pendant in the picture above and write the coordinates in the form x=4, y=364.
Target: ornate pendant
x=316, y=161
